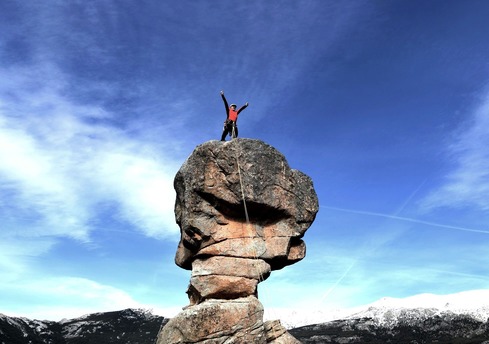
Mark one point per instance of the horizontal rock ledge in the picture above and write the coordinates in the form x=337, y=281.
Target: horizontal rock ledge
x=230, y=266
x=221, y=287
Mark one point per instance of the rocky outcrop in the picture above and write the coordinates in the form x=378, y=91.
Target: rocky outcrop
x=217, y=320
x=242, y=213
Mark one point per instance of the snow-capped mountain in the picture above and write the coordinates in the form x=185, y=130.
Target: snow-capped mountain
x=387, y=310
x=457, y=318
x=412, y=328
x=425, y=318
x=128, y=326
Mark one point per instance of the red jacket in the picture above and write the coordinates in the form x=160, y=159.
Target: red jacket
x=230, y=113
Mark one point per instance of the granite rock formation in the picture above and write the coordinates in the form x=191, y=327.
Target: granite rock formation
x=242, y=213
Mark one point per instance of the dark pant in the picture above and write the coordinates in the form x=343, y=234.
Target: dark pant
x=228, y=129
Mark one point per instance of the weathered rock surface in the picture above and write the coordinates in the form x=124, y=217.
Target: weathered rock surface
x=242, y=213
x=210, y=211
x=277, y=334
x=216, y=321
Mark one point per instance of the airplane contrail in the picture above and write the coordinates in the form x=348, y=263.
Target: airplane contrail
x=408, y=219
x=338, y=281
x=408, y=200
x=395, y=216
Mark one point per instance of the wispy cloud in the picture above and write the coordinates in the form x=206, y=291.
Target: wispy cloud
x=66, y=297
x=277, y=55
x=467, y=184
x=63, y=162
x=16, y=256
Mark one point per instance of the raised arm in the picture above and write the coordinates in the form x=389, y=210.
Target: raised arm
x=225, y=102
x=243, y=107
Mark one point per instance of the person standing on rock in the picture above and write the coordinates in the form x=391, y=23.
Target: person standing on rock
x=230, y=126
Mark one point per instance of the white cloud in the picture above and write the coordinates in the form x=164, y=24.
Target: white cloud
x=16, y=256
x=62, y=161
x=67, y=297
x=40, y=185
x=142, y=187
x=467, y=184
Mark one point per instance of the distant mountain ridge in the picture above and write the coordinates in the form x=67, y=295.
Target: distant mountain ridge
x=458, y=318
x=474, y=303
x=415, y=326
x=426, y=318
x=129, y=326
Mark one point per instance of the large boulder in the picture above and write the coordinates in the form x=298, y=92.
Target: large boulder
x=241, y=199
x=217, y=321
x=242, y=213
x=214, y=321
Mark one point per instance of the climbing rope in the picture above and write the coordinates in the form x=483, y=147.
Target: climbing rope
x=248, y=224
x=252, y=236
x=241, y=185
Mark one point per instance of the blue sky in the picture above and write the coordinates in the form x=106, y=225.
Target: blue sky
x=385, y=104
